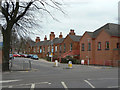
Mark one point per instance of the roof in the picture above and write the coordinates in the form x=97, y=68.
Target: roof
x=75, y=38
x=48, y=42
x=110, y=28
x=90, y=33
x=55, y=41
x=42, y=43
x=32, y=43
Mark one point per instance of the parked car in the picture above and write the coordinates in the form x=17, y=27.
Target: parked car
x=29, y=55
x=22, y=55
x=35, y=57
x=16, y=55
x=25, y=55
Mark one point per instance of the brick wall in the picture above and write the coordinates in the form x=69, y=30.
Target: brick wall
x=84, y=55
x=103, y=56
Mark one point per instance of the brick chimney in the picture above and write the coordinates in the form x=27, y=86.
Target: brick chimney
x=37, y=39
x=45, y=38
x=72, y=32
x=60, y=36
x=52, y=36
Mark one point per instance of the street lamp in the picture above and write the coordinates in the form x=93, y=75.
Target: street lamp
x=88, y=50
x=51, y=49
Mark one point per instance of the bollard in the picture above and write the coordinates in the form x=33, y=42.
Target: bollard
x=70, y=64
x=56, y=63
x=82, y=62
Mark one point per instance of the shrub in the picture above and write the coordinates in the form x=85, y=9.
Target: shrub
x=74, y=61
x=48, y=58
x=64, y=60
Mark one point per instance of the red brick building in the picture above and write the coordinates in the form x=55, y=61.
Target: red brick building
x=70, y=45
x=59, y=47
x=101, y=47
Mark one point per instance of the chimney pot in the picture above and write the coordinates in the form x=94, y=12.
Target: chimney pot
x=45, y=38
x=72, y=32
x=60, y=36
x=52, y=36
x=37, y=39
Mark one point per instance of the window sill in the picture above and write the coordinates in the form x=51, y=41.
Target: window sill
x=107, y=49
x=88, y=50
x=116, y=49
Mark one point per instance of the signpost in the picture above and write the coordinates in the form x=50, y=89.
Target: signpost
x=51, y=55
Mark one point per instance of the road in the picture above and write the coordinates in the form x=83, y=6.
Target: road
x=44, y=75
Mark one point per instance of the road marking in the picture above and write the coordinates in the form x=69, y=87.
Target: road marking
x=103, y=78
x=32, y=86
x=64, y=85
x=49, y=83
x=89, y=83
x=6, y=81
x=10, y=86
x=113, y=86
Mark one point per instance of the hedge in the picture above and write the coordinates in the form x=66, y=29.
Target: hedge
x=74, y=61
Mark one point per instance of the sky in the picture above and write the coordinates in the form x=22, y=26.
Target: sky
x=81, y=15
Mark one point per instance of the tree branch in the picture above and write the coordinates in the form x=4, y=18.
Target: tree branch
x=22, y=14
x=16, y=10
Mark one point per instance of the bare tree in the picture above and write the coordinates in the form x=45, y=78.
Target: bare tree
x=19, y=16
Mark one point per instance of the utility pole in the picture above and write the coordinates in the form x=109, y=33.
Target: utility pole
x=88, y=50
x=51, y=50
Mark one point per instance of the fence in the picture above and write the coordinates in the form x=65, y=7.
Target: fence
x=19, y=65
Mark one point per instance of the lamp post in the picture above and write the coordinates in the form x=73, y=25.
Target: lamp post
x=51, y=49
x=88, y=50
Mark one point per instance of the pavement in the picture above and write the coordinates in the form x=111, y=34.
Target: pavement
x=45, y=75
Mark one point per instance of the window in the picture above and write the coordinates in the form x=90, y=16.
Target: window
x=60, y=48
x=34, y=49
x=56, y=48
x=89, y=46
x=44, y=49
x=99, y=45
x=64, y=47
x=71, y=47
x=83, y=47
x=107, y=45
x=40, y=49
x=48, y=48
x=118, y=45
x=29, y=49
x=52, y=49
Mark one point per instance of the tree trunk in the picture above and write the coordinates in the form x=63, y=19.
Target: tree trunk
x=6, y=48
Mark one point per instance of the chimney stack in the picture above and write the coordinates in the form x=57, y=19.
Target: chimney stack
x=52, y=36
x=37, y=39
x=72, y=32
x=60, y=36
x=45, y=38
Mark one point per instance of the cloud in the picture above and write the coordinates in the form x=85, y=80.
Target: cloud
x=82, y=15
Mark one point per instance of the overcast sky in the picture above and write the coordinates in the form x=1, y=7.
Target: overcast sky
x=82, y=15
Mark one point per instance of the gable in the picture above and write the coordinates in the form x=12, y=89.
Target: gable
x=85, y=36
x=103, y=34
x=67, y=38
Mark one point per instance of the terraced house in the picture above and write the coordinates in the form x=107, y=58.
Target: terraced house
x=59, y=47
x=101, y=47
